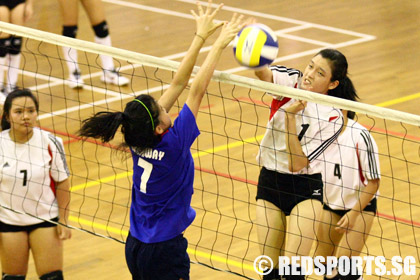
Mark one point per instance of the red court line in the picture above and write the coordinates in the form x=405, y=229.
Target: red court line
x=236, y=178
x=402, y=135
x=394, y=218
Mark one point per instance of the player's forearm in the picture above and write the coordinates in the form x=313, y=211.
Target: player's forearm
x=202, y=80
x=183, y=74
x=366, y=195
x=297, y=159
x=63, y=200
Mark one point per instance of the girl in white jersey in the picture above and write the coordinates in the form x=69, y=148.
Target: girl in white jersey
x=16, y=12
x=96, y=14
x=351, y=178
x=292, y=153
x=34, y=189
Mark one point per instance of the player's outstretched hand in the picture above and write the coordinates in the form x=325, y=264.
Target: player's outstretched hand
x=205, y=20
x=229, y=30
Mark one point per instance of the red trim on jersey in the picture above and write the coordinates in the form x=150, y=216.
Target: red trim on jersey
x=360, y=165
x=276, y=104
x=332, y=118
x=52, y=183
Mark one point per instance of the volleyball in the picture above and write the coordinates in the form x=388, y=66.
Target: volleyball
x=255, y=46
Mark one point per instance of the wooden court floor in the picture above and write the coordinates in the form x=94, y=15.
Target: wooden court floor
x=380, y=40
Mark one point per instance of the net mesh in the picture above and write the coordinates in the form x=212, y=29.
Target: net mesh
x=232, y=121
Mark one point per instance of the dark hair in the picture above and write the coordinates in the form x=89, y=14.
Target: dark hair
x=136, y=124
x=339, y=65
x=5, y=124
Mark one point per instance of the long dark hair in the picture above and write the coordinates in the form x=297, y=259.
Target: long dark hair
x=5, y=124
x=339, y=66
x=136, y=124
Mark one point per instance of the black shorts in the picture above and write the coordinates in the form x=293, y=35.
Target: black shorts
x=371, y=207
x=287, y=190
x=13, y=228
x=11, y=4
x=165, y=260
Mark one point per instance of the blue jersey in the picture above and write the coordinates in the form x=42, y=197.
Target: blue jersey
x=163, y=180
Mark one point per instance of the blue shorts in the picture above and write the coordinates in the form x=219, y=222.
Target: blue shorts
x=11, y=4
x=167, y=260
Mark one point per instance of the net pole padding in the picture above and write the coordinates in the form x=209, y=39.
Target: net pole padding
x=219, y=76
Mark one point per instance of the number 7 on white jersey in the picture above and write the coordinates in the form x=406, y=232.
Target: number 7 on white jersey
x=147, y=170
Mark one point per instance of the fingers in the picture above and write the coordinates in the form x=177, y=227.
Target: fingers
x=217, y=10
x=200, y=9
x=194, y=14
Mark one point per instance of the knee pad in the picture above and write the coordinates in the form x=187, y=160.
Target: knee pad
x=274, y=274
x=294, y=277
x=12, y=277
x=70, y=31
x=337, y=277
x=4, y=46
x=15, y=45
x=351, y=276
x=101, y=29
x=55, y=275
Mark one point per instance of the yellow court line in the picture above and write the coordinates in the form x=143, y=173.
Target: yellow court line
x=195, y=155
x=228, y=146
x=102, y=180
x=189, y=250
x=399, y=100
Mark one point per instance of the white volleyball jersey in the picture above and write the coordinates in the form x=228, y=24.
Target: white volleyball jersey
x=351, y=161
x=317, y=127
x=28, y=173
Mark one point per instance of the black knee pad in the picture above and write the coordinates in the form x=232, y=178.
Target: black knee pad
x=4, y=46
x=12, y=277
x=337, y=277
x=15, y=45
x=101, y=29
x=273, y=275
x=351, y=276
x=294, y=277
x=55, y=275
x=70, y=31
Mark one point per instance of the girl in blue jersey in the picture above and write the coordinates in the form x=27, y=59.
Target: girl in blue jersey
x=163, y=168
x=291, y=155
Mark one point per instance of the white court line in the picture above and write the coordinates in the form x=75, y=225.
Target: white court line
x=284, y=19
x=281, y=33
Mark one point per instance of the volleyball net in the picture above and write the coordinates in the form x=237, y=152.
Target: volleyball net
x=232, y=120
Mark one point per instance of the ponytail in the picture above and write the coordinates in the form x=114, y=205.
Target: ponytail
x=345, y=90
x=102, y=125
x=138, y=123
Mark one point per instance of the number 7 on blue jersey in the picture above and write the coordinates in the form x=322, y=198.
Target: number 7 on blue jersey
x=147, y=170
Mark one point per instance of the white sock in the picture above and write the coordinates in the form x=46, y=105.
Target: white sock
x=14, y=64
x=107, y=62
x=70, y=55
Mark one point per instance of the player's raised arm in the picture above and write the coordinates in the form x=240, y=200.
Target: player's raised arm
x=205, y=27
x=201, y=81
